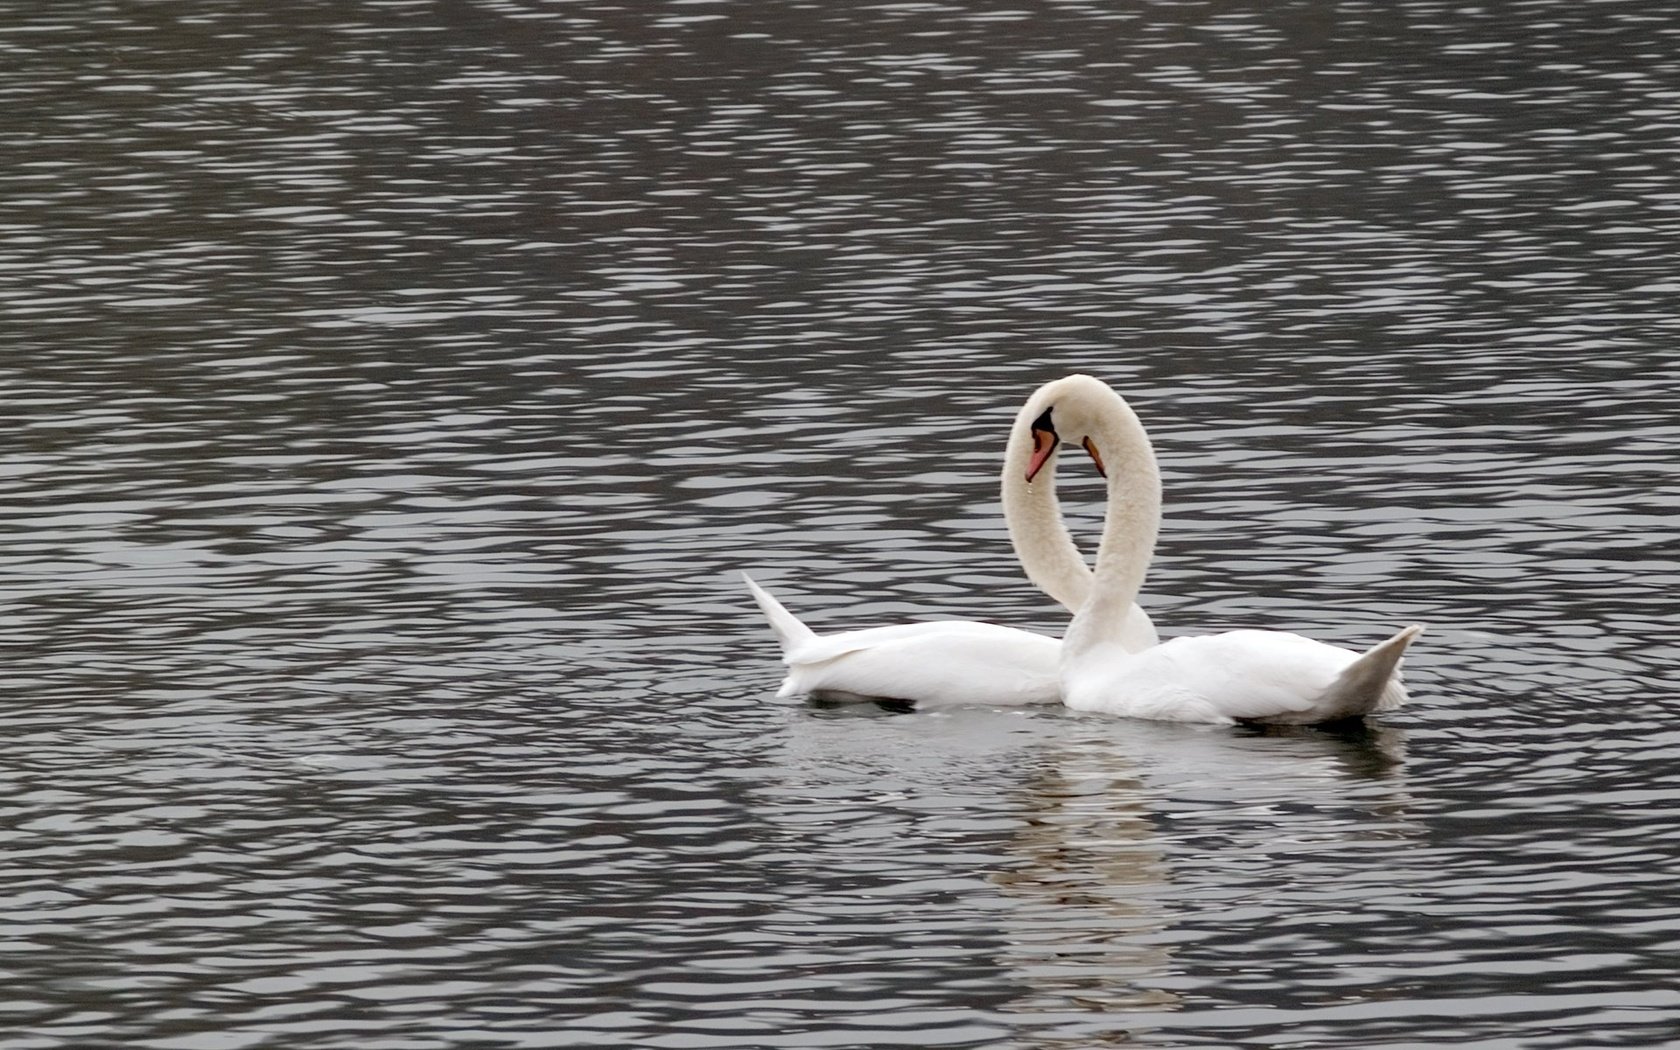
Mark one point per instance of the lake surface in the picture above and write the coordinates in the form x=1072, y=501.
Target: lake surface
x=395, y=391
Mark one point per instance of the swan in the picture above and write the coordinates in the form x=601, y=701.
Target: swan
x=1237, y=676
x=961, y=661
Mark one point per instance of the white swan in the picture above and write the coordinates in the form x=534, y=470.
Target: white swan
x=961, y=661
x=1257, y=676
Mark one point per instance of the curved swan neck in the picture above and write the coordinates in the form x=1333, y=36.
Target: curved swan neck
x=1129, y=526
x=1034, y=515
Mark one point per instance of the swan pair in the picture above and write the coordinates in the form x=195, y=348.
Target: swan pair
x=1109, y=661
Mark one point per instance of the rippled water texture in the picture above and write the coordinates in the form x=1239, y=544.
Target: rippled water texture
x=395, y=390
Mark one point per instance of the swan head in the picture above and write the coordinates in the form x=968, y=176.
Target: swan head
x=1077, y=409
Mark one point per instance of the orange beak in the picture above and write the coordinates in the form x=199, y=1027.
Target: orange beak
x=1044, y=443
x=1096, y=457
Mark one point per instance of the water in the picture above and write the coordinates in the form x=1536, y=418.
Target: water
x=394, y=391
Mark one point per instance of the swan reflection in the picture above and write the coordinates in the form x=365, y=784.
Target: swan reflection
x=1084, y=863
x=1126, y=837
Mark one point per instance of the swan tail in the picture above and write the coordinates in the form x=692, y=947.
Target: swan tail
x=1369, y=684
x=790, y=632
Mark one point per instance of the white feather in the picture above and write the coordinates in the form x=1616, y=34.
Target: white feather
x=959, y=661
x=1260, y=676
x=938, y=662
x=1256, y=676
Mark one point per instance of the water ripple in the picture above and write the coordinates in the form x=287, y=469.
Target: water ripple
x=395, y=393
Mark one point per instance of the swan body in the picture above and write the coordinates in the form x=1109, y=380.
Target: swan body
x=936, y=662
x=960, y=661
x=1245, y=676
x=1252, y=676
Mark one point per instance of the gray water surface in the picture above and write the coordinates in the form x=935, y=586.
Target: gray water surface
x=394, y=392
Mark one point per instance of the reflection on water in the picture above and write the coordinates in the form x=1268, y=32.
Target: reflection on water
x=1110, y=852
x=394, y=392
x=1095, y=889
x=1122, y=840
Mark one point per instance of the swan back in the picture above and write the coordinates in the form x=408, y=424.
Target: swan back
x=1242, y=676
x=934, y=662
